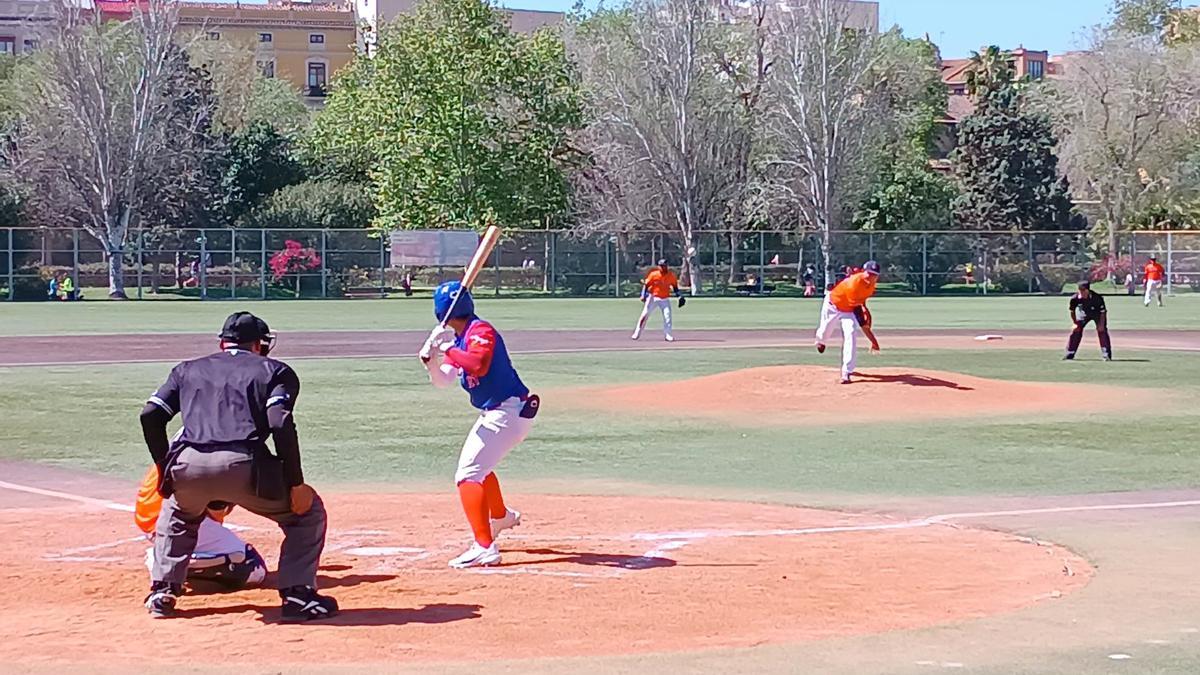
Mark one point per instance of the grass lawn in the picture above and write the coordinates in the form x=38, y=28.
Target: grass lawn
x=379, y=421
x=575, y=314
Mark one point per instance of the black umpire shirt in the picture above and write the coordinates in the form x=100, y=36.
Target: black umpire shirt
x=1091, y=308
x=234, y=398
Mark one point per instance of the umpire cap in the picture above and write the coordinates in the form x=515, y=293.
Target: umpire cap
x=243, y=328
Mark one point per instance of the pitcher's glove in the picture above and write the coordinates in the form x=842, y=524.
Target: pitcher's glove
x=682, y=301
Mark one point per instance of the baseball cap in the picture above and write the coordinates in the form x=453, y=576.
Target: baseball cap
x=244, y=327
x=871, y=266
x=1085, y=284
x=662, y=262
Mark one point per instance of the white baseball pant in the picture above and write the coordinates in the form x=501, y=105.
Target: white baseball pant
x=653, y=303
x=1153, y=289
x=831, y=316
x=494, y=435
x=212, y=540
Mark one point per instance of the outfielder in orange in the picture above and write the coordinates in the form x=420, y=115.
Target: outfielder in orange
x=220, y=556
x=846, y=306
x=657, y=289
x=1153, y=275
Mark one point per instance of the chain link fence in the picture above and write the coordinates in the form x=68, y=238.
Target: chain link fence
x=280, y=264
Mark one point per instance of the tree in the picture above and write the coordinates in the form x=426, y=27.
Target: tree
x=246, y=97
x=259, y=160
x=114, y=126
x=1007, y=172
x=319, y=204
x=905, y=192
x=1127, y=114
x=833, y=109
x=459, y=119
x=667, y=134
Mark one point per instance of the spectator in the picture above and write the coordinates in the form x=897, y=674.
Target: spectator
x=1130, y=284
x=52, y=292
x=406, y=284
x=68, y=288
x=810, y=282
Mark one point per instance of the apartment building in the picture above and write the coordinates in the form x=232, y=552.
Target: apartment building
x=20, y=22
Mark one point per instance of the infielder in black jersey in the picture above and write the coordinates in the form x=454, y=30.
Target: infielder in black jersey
x=1088, y=306
x=232, y=402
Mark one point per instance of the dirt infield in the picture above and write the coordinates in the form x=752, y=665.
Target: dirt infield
x=812, y=395
x=581, y=577
x=105, y=349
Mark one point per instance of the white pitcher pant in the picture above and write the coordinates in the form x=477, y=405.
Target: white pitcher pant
x=653, y=303
x=830, y=317
x=494, y=435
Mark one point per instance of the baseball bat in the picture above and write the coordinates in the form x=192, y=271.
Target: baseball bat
x=486, y=244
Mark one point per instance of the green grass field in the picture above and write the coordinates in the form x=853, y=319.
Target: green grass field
x=995, y=312
x=378, y=422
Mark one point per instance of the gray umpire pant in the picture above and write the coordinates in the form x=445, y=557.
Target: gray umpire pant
x=203, y=476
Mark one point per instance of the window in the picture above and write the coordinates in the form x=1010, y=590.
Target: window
x=212, y=35
x=31, y=46
x=266, y=37
x=316, y=79
x=959, y=91
x=8, y=45
x=267, y=68
x=316, y=38
x=1037, y=69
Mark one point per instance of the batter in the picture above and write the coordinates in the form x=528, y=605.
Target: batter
x=471, y=350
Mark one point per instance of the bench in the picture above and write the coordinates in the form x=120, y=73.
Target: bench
x=368, y=291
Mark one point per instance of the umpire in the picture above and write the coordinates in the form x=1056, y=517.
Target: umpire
x=231, y=402
x=1086, y=306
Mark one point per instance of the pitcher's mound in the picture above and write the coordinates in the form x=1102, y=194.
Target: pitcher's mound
x=813, y=395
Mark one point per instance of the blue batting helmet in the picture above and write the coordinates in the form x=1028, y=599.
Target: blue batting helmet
x=444, y=297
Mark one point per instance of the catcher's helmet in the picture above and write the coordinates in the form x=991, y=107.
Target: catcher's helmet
x=443, y=299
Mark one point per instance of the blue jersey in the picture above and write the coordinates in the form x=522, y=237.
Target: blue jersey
x=487, y=371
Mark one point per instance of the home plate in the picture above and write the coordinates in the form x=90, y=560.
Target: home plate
x=384, y=550
x=986, y=338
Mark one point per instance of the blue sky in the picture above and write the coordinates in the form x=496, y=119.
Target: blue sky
x=961, y=26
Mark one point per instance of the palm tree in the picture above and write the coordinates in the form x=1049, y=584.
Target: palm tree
x=990, y=71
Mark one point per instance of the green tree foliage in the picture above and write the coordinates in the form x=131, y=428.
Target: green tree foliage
x=458, y=119
x=906, y=192
x=1168, y=21
x=247, y=98
x=258, y=161
x=1007, y=172
x=325, y=204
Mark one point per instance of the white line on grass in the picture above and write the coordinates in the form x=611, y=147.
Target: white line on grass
x=90, y=501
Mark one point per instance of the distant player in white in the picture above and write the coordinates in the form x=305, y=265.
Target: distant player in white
x=657, y=289
x=1154, y=274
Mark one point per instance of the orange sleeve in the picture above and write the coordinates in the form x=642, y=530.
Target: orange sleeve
x=149, y=502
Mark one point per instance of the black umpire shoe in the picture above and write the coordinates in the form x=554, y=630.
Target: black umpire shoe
x=162, y=598
x=303, y=603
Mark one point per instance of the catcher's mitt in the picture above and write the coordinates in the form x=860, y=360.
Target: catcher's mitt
x=682, y=301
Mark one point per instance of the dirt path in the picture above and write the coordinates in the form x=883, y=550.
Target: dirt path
x=119, y=349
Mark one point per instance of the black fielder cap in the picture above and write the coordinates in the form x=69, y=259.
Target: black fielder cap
x=1085, y=284
x=243, y=327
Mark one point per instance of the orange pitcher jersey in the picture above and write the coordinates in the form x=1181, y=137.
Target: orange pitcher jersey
x=853, y=291
x=1154, y=271
x=660, y=283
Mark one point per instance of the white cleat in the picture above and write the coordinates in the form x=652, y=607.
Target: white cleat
x=509, y=520
x=670, y=338
x=635, y=336
x=477, y=556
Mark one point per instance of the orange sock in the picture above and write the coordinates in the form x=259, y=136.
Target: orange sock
x=495, y=500
x=474, y=503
